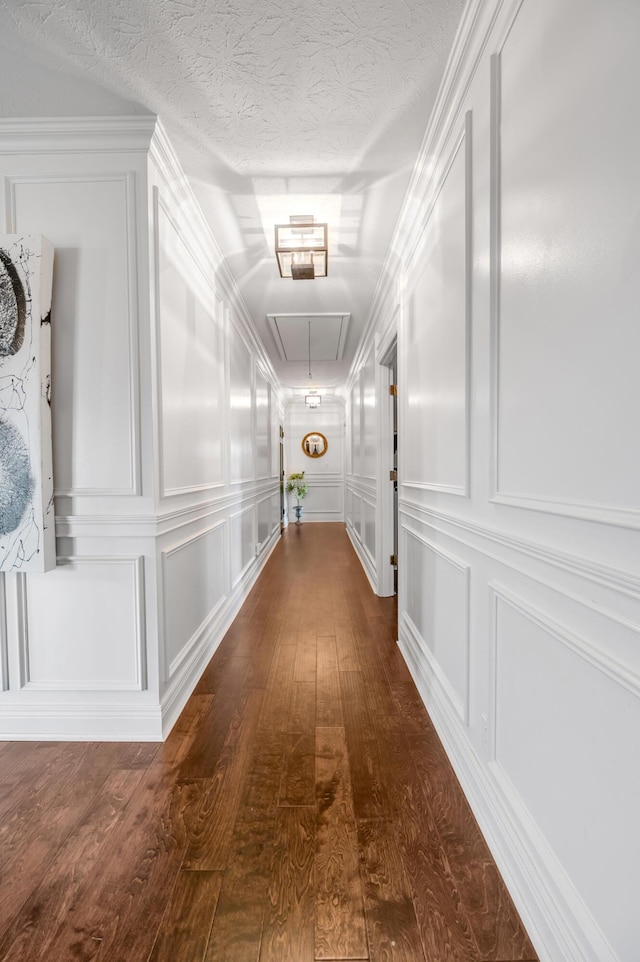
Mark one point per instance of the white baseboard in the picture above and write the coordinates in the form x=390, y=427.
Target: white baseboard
x=559, y=924
x=80, y=723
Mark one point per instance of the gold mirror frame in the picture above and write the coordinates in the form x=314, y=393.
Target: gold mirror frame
x=311, y=443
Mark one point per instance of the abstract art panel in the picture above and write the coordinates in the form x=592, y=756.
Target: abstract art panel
x=27, y=533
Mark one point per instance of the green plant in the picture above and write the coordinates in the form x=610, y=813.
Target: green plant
x=297, y=484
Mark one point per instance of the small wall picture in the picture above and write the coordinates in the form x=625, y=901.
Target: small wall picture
x=27, y=532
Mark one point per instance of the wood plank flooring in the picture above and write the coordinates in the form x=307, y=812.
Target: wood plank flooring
x=302, y=808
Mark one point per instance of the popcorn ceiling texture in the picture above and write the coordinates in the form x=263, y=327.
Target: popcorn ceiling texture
x=270, y=83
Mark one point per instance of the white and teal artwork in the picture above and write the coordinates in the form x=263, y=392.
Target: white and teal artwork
x=27, y=533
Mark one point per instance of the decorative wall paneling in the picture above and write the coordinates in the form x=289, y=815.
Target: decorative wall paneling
x=93, y=217
x=436, y=330
x=145, y=320
x=191, y=365
x=193, y=589
x=436, y=611
x=242, y=532
x=263, y=433
x=4, y=651
x=522, y=513
x=361, y=524
x=543, y=456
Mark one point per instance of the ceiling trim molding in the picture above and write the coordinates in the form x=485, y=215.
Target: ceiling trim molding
x=37, y=135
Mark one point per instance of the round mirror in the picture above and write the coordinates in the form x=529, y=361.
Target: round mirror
x=314, y=445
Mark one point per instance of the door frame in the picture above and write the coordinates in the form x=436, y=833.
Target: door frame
x=386, y=353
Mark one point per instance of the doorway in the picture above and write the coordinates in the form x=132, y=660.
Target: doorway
x=387, y=558
x=282, y=499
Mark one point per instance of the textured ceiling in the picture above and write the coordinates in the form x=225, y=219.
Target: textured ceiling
x=274, y=108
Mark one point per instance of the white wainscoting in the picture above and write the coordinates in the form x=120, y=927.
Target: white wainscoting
x=4, y=649
x=268, y=510
x=240, y=407
x=369, y=528
x=436, y=330
x=436, y=610
x=325, y=500
x=193, y=589
x=561, y=242
x=90, y=219
x=552, y=691
x=191, y=366
x=242, y=534
x=263, y=425
x=97, y=605
x=368, y=407
x=361, y=525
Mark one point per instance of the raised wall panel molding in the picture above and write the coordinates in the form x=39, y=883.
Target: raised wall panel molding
x=606, y=514
x=235, y=330
x=626, y=516
x=602, y=513
x=4, y=651
x=139, y=681
x=128, y=180
x=204, y=627
x=261, y=431
x=461, y=702
x=619, y=673
x=93, y=135
x=553, y=913
x=432, y=671
x=242, y=569
x=460, y=140
x=456, y=489
x=361, y=487
x=587, y=932
x=330, y=478
x=366, y=559
x=624, y=582
x=209, y=293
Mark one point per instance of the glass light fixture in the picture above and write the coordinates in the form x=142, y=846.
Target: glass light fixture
x=302, y=248
x=312, y=400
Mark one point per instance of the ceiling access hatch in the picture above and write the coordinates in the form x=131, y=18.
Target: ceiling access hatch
x=291, y=334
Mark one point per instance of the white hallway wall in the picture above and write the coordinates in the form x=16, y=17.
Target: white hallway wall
x=516, y=279
x=165, y=421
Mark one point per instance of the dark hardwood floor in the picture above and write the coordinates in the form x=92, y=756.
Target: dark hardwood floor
x=302, y=808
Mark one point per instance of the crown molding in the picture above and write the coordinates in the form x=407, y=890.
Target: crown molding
x=51, y=135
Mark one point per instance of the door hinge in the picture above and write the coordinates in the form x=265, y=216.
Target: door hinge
x=393, y=560
x=393, y=390
x=393, y=475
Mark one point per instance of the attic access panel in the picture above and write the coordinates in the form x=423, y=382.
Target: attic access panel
x=291, y=334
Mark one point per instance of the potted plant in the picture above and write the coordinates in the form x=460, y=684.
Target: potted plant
x=297, y=484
